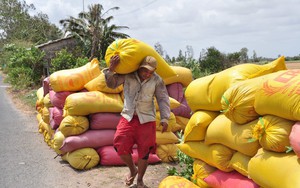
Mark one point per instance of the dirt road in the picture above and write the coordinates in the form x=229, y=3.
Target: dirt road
x=26, y=161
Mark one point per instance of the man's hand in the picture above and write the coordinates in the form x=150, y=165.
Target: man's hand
x=164, y=126
x=114, y=62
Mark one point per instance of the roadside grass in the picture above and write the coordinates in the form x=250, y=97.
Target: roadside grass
x=24, y=100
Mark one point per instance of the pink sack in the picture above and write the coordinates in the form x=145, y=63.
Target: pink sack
x=109, y=157
x=183, y=110
x=56, y=116
x=89, y=139
x=46, y=86
x=175, y=90
x=220, y=179
x=58, y=98
x=104, y=120
x=295, y=138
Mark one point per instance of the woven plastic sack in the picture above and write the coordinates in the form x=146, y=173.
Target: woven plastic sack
x=229, y=180
x=176, y=181
x=182, y=121
x=89, y=139
x=223, y=131
x=238, y=100
x=167, y=152
x=280, y=95
x=57, y=142
x=201, y=170
x=104, y=120
x=39, y=104
x=166, y=138
x=172, y=125
x=273, y=132
x=276, y=170
x=73, y=125
x=82, y=159
x=132, y=52
x=195, y=130
x=74, y=79
x=295, y=138
x=216, y=155
x=206, y=92
x=184, y=76
x=58, y=98
x=99, y=84
x=85, y=103
x=239, y=162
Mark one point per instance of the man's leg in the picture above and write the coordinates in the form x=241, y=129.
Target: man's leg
x=142, y=167
x=127, y=159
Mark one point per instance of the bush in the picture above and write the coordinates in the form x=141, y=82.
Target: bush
x=24, y=66
x=65, y=60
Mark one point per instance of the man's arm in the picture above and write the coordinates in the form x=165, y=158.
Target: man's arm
x=113, y=80
x=163, y=102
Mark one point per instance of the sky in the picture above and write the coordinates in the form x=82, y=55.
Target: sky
x=270, y=28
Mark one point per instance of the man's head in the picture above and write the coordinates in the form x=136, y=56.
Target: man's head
x=149, y=63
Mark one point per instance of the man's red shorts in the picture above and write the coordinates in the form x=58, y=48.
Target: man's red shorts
x=130, y=133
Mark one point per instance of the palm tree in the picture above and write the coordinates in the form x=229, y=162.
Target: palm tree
x=93, y=29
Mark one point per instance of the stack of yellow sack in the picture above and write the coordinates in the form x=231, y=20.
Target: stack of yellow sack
x=240, y=127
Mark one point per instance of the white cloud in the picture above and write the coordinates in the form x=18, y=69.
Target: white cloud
x=268, y=27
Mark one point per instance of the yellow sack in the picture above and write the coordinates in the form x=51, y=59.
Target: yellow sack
x=82, y=159
x=73, y=125
x=74, y=79
x=58, y=140
x=39, y=119
x=238, y=100
x=201, y=170
x=273, y=133
x=167, y=152
x=173, y=103
x=46, y=101
x=184, y=76
x=237, y=137
x=239, y=162
x=99, y=84
x=182, y=121
x=39, y=104
x=176, y=181
x=132, y=52
x=46, y=115
x=172, y=125
x=166, y=138
x=197, y=125
x=280, y=95
x=276, y=170
x=85, y=103
x=206, y=92
x=216, y=155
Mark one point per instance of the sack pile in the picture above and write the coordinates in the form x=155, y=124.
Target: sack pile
x=244, y=126
x=78, y=113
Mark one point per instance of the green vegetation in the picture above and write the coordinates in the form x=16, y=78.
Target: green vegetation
x=185, y=162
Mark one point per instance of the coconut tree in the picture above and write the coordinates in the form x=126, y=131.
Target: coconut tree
x=93, y=30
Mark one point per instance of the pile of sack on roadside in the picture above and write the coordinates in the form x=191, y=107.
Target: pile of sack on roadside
x=244, y=130
x=239, y=125
x=78, y=113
